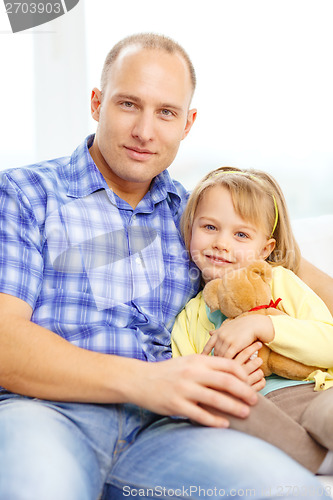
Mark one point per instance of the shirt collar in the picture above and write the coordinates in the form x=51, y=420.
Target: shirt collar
x=163, y=187
x=85, y=178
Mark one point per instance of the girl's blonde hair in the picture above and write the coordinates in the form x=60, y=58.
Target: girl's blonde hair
x=257, y=198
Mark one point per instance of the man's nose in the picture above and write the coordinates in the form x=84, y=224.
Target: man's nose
x=144, y=127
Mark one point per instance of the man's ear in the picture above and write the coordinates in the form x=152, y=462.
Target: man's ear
x=191, y=116
x=96, y=99
x=268, y=248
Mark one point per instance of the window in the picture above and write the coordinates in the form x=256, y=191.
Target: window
x=264, y=94
x=17, y=99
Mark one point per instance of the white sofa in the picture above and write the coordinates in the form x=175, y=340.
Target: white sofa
x=315, y=238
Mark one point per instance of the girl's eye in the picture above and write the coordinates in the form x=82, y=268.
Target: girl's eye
x=210, y=227
x=241, y=235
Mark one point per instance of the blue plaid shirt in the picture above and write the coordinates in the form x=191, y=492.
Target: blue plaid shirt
x=97, y=272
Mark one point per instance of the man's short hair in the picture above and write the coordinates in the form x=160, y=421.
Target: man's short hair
x=147, y=41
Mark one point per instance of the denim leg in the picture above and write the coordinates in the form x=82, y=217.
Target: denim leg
x=48, y=451
x=64, y=451
x=178, y=459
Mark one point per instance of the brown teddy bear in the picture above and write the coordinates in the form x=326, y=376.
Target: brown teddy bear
x=247, y=291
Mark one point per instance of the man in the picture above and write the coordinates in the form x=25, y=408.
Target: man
x=93, y=273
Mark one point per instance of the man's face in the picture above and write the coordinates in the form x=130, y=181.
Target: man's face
x=142, y=117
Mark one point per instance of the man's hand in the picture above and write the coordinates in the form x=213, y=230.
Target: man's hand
x=196, y=387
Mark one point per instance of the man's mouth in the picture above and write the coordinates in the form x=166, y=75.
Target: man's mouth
x=138, y=154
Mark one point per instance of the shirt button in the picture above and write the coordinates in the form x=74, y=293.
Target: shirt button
x=138, y=260
x=134, y=217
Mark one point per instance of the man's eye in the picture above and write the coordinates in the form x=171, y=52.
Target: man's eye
x=166, y=112
x=127, y=104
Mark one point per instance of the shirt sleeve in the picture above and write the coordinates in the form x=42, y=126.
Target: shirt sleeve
x=181, y=342
x=191, y=329
x=305, y=332
x=21, y=262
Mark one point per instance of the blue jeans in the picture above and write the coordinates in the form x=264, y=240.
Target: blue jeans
x=66, y=451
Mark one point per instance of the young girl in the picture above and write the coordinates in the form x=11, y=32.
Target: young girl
x=232, y=218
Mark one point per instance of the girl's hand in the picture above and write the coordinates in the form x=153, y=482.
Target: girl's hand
x=249, y=360
x=234, y=336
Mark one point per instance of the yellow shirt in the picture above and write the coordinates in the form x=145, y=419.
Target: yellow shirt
x=305, y=333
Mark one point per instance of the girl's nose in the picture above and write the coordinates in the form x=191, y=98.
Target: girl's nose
x=221, y=243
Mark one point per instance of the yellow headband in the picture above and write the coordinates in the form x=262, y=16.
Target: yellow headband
x=248, y=174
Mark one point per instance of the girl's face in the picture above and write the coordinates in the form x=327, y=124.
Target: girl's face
x=221, y=240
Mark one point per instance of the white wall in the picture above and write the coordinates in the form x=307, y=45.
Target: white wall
x=264, y=86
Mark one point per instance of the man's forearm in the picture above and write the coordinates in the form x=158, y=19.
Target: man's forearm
x=319, y=281
x=38, y=363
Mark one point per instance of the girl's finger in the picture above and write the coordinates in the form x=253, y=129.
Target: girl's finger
x=210, y=345
x=255, y=377
x=249, y=351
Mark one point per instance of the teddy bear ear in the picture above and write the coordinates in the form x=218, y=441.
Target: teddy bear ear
x=210, y=294
x=262, y=269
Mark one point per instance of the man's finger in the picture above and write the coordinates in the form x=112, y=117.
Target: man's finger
x=226, y=384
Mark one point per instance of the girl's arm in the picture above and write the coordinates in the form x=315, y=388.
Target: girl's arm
x=191, y=329
x=234, y=336
x=191, y=333
x=320, y=282
x=305, y=332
